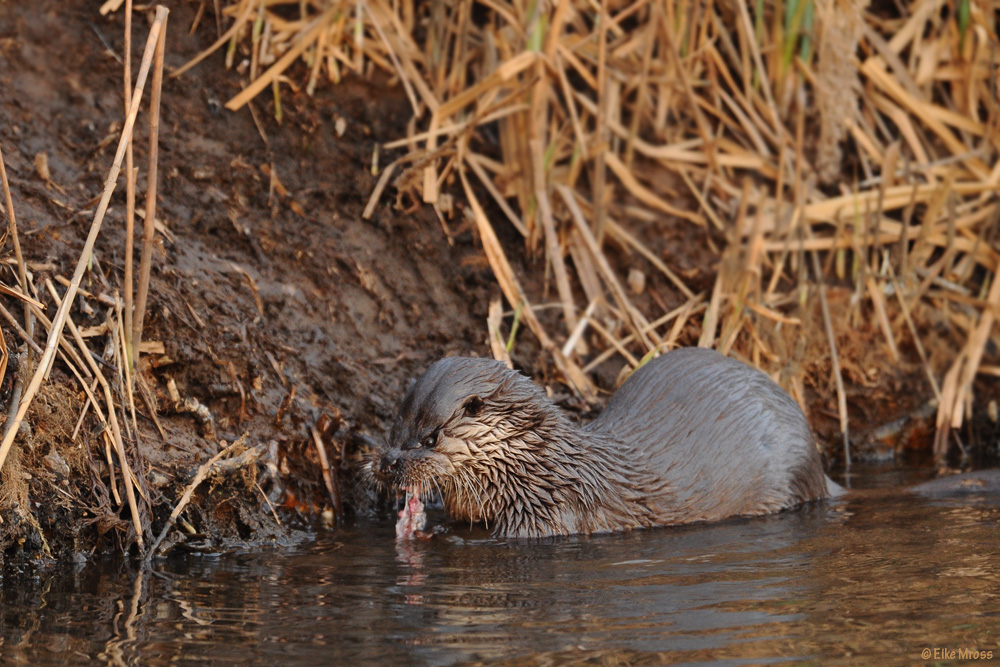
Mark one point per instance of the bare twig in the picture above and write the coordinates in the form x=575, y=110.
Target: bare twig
x=149, y=226
x=130, y=178
x=328, y=480
x=29, y=323
x=199, y=477
x=20, y=332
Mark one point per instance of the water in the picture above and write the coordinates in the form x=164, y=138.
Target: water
x=879, y=576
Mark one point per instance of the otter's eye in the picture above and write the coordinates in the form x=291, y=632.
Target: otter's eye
x=429, y=441
x=472, y=406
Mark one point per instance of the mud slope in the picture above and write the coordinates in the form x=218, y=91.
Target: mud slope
x=278, y=307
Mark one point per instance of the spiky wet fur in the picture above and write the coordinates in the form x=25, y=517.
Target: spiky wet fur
x=499, y=452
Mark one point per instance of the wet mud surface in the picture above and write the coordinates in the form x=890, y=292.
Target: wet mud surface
x=277, y=306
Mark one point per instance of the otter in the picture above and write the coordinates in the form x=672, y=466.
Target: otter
x=691, y=436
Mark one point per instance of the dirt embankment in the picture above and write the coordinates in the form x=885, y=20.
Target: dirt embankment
x=281, y=312
x=278, y=308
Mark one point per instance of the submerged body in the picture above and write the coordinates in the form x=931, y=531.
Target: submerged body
x=691, y=436
x=978, y=482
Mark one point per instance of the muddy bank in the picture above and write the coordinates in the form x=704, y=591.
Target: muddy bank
x=277, y=307
x=274, y=306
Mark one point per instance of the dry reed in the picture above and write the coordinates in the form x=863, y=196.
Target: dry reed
x=724, y=115
x=82, y=364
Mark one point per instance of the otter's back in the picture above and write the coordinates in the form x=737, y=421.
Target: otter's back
x=717, y=437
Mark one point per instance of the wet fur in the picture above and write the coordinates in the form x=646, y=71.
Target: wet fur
x=691, y=436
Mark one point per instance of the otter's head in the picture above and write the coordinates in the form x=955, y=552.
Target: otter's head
x=462, y=422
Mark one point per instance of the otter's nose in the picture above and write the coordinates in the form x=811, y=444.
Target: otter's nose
x=389, y=464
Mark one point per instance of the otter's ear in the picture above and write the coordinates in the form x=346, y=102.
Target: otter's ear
x=472, y=406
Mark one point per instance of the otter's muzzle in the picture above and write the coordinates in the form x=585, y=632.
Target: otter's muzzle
x=389, y=465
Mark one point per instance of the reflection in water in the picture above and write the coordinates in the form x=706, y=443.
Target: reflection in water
x=880, y=573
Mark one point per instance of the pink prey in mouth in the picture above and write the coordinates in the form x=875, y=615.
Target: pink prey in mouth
x=412, y=518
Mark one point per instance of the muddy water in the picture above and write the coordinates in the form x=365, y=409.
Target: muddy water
x=881, y=575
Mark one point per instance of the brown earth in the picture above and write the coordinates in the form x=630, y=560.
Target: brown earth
x=279, y=308
x=348, y=309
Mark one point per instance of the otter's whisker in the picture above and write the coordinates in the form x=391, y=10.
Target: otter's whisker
x=478, y=490
x=438, y=487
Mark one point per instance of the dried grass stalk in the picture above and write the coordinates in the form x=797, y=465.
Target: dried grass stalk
x=625, y=104
x=62, y=314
